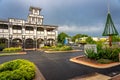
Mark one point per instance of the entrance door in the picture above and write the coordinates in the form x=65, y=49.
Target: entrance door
x=29, y=43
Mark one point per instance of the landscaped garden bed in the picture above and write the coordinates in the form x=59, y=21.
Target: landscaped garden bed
x=93, y=63
x=103, y=57
x=12, y=51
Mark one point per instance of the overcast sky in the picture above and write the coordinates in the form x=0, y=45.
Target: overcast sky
x=72, y=16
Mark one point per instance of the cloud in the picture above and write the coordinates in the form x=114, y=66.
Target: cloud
x=73, y=16
x=90, y=30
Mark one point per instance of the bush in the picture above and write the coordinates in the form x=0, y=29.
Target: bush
x=2, y=46
x=19, y=69
x=12, y=49
x=59, y=45
x=91, y=54
x=104, y=53
x=58, y=48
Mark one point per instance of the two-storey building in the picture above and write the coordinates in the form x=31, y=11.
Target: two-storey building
x=30, y=33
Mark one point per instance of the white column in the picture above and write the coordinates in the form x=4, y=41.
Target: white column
x=23, y=30
x=45, y=32
x=35, y=30
x=10, y=29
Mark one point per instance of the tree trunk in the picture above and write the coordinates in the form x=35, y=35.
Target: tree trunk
x=110, y=41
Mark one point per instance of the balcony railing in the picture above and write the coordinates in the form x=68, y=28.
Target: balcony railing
x=29, y=32
x=40, y=32
x=51, y=33
x=3, y=30
x=17, y=31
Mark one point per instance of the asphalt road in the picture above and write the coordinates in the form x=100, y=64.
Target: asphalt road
x=57, y=66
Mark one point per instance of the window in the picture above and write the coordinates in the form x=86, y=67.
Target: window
x=3, y=28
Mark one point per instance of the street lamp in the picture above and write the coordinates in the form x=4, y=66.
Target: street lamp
x=10, y=38
x=23, y=45
x=35, y=40
x=45, y=42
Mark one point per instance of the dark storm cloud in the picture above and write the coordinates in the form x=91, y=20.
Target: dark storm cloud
x=75, y=14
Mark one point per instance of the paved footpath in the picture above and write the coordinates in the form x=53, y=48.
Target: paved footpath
x=57, y=66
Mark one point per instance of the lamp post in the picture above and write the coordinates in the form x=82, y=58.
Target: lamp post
x=45, y=43
x=35, y=43
x=23, y=45
x=10, y=38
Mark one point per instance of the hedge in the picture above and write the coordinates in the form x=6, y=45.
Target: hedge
x=19, y=69
x=12, y=49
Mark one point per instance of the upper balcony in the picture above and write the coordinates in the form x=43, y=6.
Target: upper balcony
x=16, y=29
x=29, y=30
x=4, y=28
x=51, y=31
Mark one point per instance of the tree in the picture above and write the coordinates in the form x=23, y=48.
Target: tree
x=61, y=37
x=77, y=36
x=89, y=40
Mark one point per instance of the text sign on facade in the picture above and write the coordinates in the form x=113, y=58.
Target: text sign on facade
x=91, y=47
x=16, y=21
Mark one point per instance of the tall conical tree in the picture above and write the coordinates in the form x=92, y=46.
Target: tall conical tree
x=110, y=29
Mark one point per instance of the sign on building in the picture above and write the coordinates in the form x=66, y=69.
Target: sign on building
x=90, y=47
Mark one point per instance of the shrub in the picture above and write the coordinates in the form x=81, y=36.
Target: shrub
x=12, y=49
x=57, y=48
x=45, y=47
x=59, y=45
x=104, y=53
x=91, y=54
x=19, y=69
x=2, y=46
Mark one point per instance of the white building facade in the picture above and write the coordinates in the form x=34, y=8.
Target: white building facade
x=30, y=33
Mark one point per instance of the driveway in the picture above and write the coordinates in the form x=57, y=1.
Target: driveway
x=57, y=66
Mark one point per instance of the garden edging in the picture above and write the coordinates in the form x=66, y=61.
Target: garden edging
x=101, y=66
x=62, y=51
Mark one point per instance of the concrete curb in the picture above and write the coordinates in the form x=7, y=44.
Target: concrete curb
x=101, y=66
x=38, y=75
x=62, y=51
x=8, y=54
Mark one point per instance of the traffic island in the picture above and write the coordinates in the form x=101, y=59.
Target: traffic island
x=92, y=63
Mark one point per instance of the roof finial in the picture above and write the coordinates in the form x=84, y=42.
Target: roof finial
x=108, y=6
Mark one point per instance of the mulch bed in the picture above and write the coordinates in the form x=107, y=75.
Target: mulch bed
x=92, y=63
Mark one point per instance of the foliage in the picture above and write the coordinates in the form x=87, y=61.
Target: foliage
x=19, y=69
x=89, y=40
x=99, y=45
x=58, y=48
x=104, y=61
x=115, y=38
x=77, y=36
x=104, y=53
x=91, y=54
x=59, y=45
x=2, y=46
x=12, y=49
x=61, y=37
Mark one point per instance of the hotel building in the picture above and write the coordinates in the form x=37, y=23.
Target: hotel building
x=30, y=33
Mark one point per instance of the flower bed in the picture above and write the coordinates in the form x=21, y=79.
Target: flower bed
x=12, y=49
x=57, y=48
x=93, y=63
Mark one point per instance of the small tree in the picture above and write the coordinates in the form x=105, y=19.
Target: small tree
x=89, y=40
x=61, y=37
x=77, y=36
